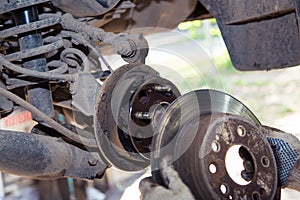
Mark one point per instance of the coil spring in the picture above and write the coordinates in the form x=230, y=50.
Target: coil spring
x=45, y=21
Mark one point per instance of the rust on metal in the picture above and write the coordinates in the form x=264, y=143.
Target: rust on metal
x=254, y=149
x=43, y=157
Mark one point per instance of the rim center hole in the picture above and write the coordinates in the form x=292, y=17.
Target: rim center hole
x=239, y=165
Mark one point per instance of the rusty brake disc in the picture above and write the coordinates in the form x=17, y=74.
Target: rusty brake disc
x=195, y=135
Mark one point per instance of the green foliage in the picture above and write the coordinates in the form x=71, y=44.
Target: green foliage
x=213, y=21
x=184, y=26
x=223, y=63
x=215, y=32
x=197, y=31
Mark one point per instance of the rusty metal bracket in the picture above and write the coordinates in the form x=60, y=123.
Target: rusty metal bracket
x=84, y=91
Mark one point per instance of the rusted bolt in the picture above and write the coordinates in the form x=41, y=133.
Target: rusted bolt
x=120, y=48
x=241, y=131
x=93, y=161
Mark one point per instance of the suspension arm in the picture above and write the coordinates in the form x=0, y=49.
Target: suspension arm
x=43, y=157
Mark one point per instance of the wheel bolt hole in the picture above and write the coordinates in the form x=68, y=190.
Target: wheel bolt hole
x=212, y=168
x=256, y=196
x=215, y=146
x=224, y=189
x=265, y=161
x=241, y=131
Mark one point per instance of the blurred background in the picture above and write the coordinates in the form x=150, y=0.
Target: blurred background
x=193, y=56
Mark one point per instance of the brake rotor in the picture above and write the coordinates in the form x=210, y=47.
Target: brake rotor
x=125, y=111
x=195, y=134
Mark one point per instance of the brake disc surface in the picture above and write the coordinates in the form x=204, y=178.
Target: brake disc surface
x=195, y=134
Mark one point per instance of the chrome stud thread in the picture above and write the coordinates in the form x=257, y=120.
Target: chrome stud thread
x=143, y=115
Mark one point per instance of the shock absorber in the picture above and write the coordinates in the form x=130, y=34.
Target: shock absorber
x=39, y=94
x=32, y=51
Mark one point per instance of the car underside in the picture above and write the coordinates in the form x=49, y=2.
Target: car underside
x=91, y=116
